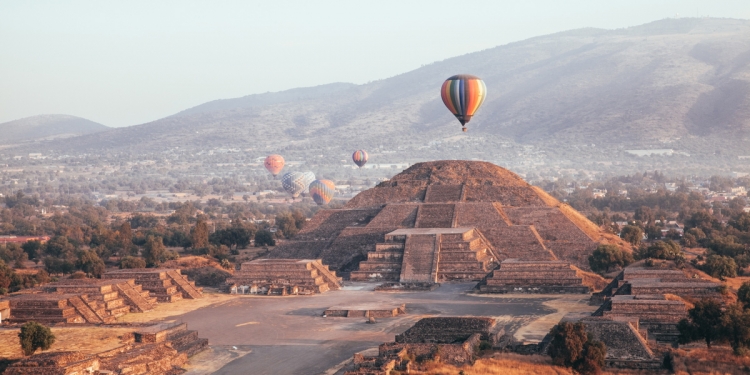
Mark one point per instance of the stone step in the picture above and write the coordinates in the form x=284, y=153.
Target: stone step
x=84, y=310
x=535, y=282
x=502, y=274
x=381, y=255
x=188, y=289
x=26, y=312
x=538, y=289
x=193, y=348
x=183, y=337
x=389, y=246
x=379, y=266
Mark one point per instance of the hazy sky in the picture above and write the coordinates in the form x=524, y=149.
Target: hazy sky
x=128, y=62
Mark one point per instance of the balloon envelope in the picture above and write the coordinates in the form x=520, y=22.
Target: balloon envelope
x=463, y=94
x=322, y=191
x=274, y=164
x=293, y=183
x=309, y=178
x=360, y=157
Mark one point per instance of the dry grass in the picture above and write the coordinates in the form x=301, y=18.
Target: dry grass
x=88, y=340
x=192, y=261
x=718, y=360
x=592, y=279
x=674, y=297
x=736, y=282
x=500, y=364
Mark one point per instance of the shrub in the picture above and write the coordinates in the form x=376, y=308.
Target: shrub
x=632, y=234
x=35, y=336
x=132, y=262
x=663, y=250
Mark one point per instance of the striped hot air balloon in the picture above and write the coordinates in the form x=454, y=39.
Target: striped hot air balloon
x=360, y=158
x=274, y=164
x=463, y=94
x=322, y=191
x=293, y=183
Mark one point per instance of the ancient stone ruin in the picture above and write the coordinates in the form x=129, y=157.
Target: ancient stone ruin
x=167, y=285
x=157, y=350
x=445, y=220
x=452, y=340
x=284, y=277
x=534, y=276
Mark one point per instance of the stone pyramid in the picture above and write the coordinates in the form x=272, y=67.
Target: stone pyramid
x=446, y=220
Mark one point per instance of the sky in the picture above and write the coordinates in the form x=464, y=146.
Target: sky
x=124, y=63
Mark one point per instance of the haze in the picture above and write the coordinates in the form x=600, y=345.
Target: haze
x=126, y=63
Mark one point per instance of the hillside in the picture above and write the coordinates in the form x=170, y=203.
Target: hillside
x=47, y=127
x=682, y=84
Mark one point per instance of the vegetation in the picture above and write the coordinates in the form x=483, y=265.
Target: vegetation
x=607, y=257
x=35, y=336
x=704, y=322
x=572, y=347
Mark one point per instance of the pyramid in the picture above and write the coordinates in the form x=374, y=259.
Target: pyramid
x=445, y=220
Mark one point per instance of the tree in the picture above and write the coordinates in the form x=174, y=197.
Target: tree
x=154, y=252
x=264, y=238
x=743, y=294
x=721, y=267
x=287, y=224
x=703, y=322
x=606, y=257
x=572, y=347
x=235, y=236
x=35, y=336
x=89, y=262
x=33, y=249
x=632, y=234
x=736, y=327
x=199, y=235
x=668, y=249
x=132, y=262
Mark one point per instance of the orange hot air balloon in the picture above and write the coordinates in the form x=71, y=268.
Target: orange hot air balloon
x=274, y=163
x=463, y=94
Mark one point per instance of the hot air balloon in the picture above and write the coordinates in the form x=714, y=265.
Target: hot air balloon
x=293, y=183
x=309, y=178
x=322, y=191
x=274, y=163
x=463, y=94
x=360, y=158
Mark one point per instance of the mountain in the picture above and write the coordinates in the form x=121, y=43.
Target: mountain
x=46, y=127
x=681, y=84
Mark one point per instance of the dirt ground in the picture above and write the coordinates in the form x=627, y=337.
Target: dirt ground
x=288, y=335
x=166, y=310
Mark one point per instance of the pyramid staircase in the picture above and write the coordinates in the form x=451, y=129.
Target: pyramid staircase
x=167, y=285
x=118, y=296
x=383, y=264
x=286, y=276
x=428, y=255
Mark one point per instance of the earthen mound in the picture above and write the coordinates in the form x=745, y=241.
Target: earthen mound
x=400, y=228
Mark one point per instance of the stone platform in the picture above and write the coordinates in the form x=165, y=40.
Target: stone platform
x=284, y=277
x=52, y=308
x=118, y=296
x=365, y=311
x=166, y=285
x=543, y=277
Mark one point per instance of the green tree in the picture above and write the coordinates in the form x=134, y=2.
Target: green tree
x=736, y=327
x=664, y=250
x=287, y=224
x=132, y=262
x=605, y=257
x=572, y=347
x=89, y=262
x=743, y=294
x=721, y=267
x=35, y=336
x=199, y=235
x=264, y=238
x=154, y=252
x=632, y=234
x=33, y=249
x=704, y=322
